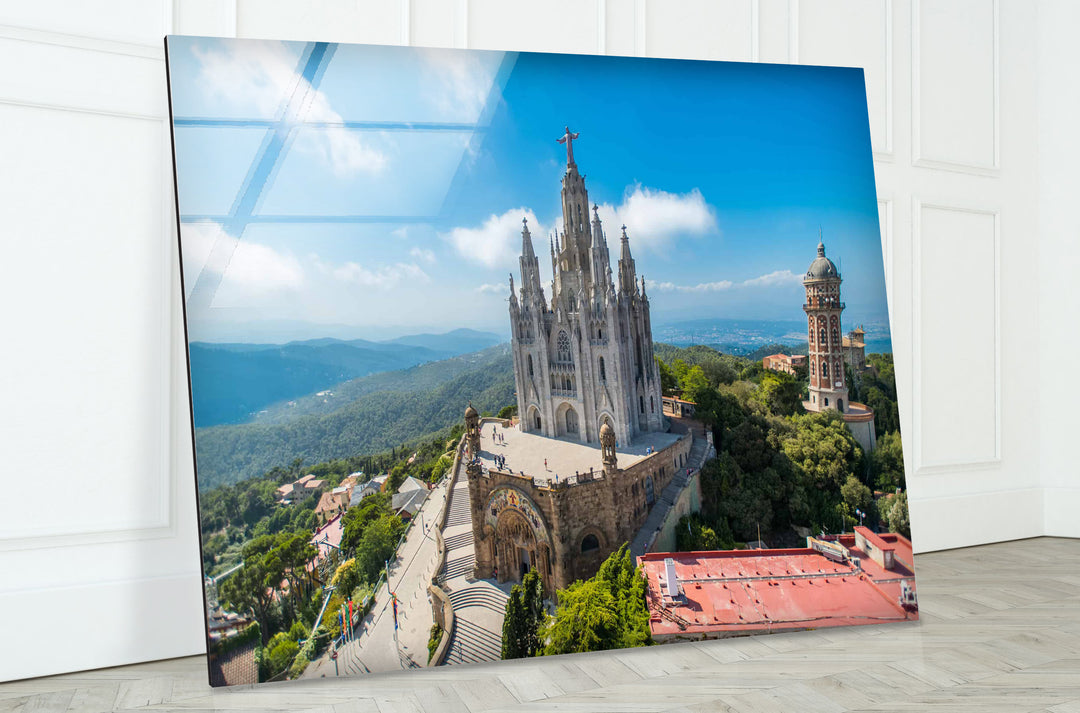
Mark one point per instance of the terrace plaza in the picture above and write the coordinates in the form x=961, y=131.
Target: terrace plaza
x=549, y=460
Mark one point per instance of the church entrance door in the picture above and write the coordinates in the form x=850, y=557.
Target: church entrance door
x=523, y=560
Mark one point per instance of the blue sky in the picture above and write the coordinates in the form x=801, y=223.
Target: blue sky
x=375, y=191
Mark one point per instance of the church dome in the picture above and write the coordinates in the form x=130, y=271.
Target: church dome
x=822, y=267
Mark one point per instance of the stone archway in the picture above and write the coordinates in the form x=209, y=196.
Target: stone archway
x=567, y=422
x=534, y=422
x=517, y=549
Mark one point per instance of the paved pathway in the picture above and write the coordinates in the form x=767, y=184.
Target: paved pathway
x=670, y=494
x=479, y=604
x=377, y=648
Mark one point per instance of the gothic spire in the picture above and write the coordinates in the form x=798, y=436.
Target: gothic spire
x=526, y=240
x=597, y=229
x=627, y=270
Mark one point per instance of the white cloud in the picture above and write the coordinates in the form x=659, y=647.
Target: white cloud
x=464, y=81
x=703, y=287
x=384, y=277
x=779, y=278
x=654, y=217
x=497, y=242
x=261, y=76
x=248, y=267
x=493, y=289
x=422, y=255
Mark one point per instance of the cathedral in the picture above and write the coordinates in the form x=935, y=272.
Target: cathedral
x=586, y=357
x=592, y=456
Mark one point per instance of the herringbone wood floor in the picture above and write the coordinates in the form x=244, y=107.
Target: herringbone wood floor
x=1000, y=631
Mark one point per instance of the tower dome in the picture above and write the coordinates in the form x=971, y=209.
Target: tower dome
x=822, y=267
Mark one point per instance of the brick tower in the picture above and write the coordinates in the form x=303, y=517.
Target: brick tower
x=828, y=389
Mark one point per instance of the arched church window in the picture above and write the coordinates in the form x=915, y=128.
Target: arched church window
x=571, y=301
x=566, y=384
x=650, y=495
x=530, y=366
x=599, y=334
x=821, y=335
x=824, y=370
x=563, y=347
x=603, y=372
x=590, y=543
x=813, y=368
x=652, y=405
x=641, y=400
x=835, y=335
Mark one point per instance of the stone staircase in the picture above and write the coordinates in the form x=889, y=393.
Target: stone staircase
x=479, y=605
x=695, y=460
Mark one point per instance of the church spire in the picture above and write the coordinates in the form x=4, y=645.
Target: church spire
x=627, y=269
x=526, y=240
x=597, y=229
x=530, y=266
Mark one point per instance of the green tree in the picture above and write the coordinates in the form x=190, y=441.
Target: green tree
x=718, y=372
x=857, y=497
x=781, y=394
x=894, y=512
x=587, y=619
x=377, y=545
x=668, y=381
x=508, y=411
x=280, y=653
x=605, y=612
x=525, y=618
x=693, y=535
x=887, y=463
x=694, y=384
x=823, y=449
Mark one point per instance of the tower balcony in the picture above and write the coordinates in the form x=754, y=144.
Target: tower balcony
x=565, y=393
x=824, y=304
x=563, y=367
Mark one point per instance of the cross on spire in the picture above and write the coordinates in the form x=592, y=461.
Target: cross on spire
x=568, y=139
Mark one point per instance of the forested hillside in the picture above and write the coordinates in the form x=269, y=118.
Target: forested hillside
x=388, y=411
x=234, y=382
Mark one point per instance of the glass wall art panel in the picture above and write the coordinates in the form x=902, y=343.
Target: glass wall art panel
x=496, y=355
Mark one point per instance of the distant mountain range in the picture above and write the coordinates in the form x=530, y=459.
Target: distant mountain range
x=232, y=383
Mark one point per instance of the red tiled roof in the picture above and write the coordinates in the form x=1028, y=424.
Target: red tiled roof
x=732, y=592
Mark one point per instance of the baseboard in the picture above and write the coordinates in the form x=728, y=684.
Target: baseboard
x=978, y=519
x=101, y=625
x=1061, y=511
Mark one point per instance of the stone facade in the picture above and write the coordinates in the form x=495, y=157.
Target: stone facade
x=565, y=528
x=585, y=357
x=828, y=389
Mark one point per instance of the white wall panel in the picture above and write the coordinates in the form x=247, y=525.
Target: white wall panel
x=852, y=33
x=553, y=26
x=96, y=79
x=433, y=22
x=957, y=393
x=371, y=21
x=701, y=29
x=1059, y=261
x=98, y=369
x=140, y=21
x=955, y=83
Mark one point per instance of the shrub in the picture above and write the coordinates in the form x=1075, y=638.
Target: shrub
x=433, y=640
